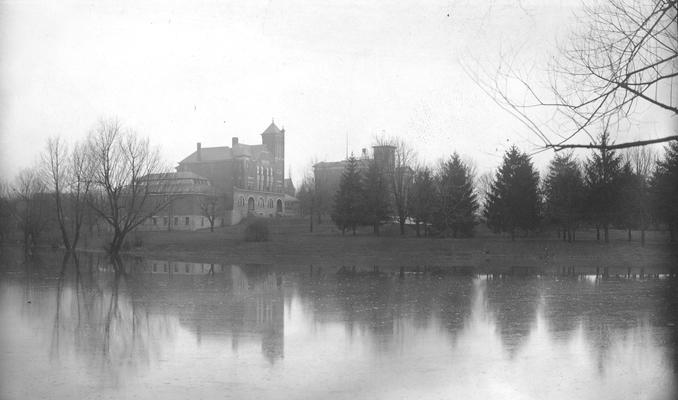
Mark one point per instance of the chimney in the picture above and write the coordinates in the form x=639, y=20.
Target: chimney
x=234, y=142
x=198, y=152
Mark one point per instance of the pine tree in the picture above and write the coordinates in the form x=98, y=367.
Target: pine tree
x=377, y=197
x=349, y=201
x=664, y=189
x=423, y=198
x=457, y=203
x=513, y=202
x=564, y=192
x=628, y=207
x=602, y=173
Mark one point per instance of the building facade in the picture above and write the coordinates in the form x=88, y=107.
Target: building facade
x=327, y=175
x=226, y=183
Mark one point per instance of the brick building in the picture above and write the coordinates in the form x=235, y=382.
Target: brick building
x=327, y=175
x=234, y=182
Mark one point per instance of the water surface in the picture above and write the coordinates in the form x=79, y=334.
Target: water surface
x=186, y=330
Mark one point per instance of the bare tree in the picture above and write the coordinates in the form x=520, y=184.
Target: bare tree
x=642, y=160
x=307, y=198
x=70, y=173
x=210, y=208
x=125, y=195
x=30, y=205
x=400, y=176
x=5, y=211
x=483, y=187
x=624, y=56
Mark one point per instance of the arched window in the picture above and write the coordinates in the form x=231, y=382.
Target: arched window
x=261, y=202
x=270, y=203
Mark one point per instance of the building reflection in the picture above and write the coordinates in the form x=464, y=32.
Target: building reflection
x=216, y=300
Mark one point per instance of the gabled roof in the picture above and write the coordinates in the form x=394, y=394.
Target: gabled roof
x=209, y=154
x=248, y=150
x=173, y=176
x=271, y=129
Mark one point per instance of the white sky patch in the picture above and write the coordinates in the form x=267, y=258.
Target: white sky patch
x=186, y=72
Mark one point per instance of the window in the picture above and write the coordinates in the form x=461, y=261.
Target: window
x=202, y=221
x=176, y=220
x=155, y=221
x=187, y=268
x=176, y=268
x=187, y=220
x=164, y=220
x=155, y=267
x=270, y=203
x=164, y=268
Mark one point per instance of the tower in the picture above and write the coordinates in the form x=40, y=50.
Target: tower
x=384, y=157
x=273, y=139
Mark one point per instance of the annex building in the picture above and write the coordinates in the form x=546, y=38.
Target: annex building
x=226, y=184
x=327, y=174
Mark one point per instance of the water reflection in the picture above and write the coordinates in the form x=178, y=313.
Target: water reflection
x=178, y=329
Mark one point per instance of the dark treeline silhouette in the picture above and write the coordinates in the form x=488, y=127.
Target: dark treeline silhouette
x=631, y=189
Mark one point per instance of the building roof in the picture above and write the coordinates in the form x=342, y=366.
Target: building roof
x=174, y=175
x=362, y=163
x=248, y=150
x=272, y=129
x=209, y=154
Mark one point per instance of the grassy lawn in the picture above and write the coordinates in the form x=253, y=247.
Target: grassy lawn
x=291, y=243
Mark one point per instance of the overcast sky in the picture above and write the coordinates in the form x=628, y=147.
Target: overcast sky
x=204, y=71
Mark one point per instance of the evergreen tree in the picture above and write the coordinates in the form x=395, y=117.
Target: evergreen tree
x=564, y=194
x=349, y=201
x=513, y=202
x=377, y=197
x=423, y=198
x=602, y=172
x=664, y=189
x=628, y=207
x=457, y=203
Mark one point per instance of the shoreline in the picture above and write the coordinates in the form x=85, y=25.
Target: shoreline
x=291, y=245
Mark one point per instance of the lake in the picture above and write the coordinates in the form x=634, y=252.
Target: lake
x=177, y=330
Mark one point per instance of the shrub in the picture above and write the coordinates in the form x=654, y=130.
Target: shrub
x=257, y=231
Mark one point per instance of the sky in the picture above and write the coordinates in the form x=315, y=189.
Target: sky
x=334, y=75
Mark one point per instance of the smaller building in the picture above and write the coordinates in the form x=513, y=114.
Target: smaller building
x=190, y=200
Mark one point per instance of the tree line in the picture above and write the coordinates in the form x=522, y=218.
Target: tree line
x=632, y=189
x=99, y=182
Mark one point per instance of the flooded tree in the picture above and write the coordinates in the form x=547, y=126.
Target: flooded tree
x=664, y=189
x=513, y=203
x=31, y=204
x=350, y=198
x=423, y=197
x=564, y=194
x=457, y=203
x=124, y=196
x=602, y=172
x=69, y=173
x=6, y=219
